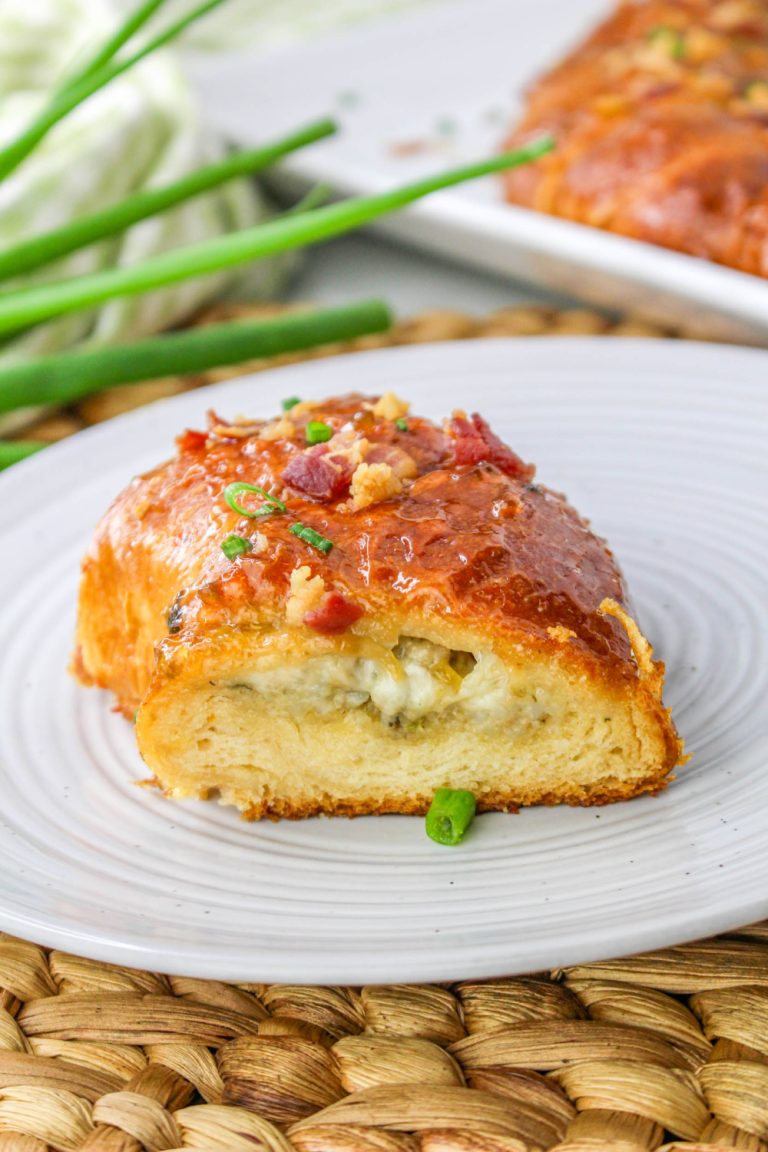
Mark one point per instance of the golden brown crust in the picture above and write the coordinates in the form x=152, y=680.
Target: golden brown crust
x=661, y=121
x=497, y=801
x=461, y=542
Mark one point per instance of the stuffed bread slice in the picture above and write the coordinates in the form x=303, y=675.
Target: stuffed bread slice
x=400, y=608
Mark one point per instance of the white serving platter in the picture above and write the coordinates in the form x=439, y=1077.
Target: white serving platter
x=662, y=445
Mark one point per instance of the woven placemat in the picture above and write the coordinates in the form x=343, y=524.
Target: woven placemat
x=668, y=1049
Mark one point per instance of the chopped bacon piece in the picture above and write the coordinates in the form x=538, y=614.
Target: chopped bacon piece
x=316, y=476
x=475, y=442
x=345, y=466
x=191, y=441
x=403, y=465
x=333, y=615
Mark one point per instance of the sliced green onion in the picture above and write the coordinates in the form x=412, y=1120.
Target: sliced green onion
x=401, y=424
x=22, y=308
x=68, y=376
x=450, y=814
x=669, y=40
x=12, y=451
x=233, y=546
x=85, y=230
x=317, y=432
x=270, y=506
x=291, y=402
x=309, y=536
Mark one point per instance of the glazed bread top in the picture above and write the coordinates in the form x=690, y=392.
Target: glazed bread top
x=661, y=122
x=439, y=524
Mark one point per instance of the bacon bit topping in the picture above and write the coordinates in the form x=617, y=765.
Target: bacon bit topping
x=305, y=596
x=191, y=441
x=373, y=483
x=317, y=475
x=402, y=464
x=390, y=407
x=333, y=615
x=475, y=442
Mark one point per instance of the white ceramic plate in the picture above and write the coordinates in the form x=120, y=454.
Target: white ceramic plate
x=448, y=77
x=663, y=446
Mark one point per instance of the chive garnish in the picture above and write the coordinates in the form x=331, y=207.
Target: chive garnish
x=19, y=309
x=401, y=424
x=450, y=814
x=66, y=377
x=291, y=402
x=669, y=39
x=233, y=546
x=271, y=503
x=318, y=432
x=12, y=451
x=309, y=536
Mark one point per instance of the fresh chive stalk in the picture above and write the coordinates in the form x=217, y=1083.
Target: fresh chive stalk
x=317, y=196
x=12, y=451
x=29, y=306
x=122, y=34
x=450, y=814
x=80, y=233
x=69, y=376
x=85, y=85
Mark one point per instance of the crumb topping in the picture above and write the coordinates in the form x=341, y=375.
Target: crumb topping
x=305, y=595
x=391, y=407
x=282, y=429
x=372, y=483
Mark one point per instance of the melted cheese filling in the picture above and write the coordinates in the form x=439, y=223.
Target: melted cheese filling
x=418, y=680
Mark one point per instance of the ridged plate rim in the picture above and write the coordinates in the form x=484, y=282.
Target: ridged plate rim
x=460, y=913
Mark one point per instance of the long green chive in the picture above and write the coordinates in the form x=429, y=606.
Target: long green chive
x=23, y=308
x=12, y=451
x=401, y=424
x=291, y=402
x=317, y=432
x=124, y=32
x=309, y=536
x=80, y=233
x=450, y=814
x=80, y=89
x=233, y=546
x=269, y=507
x=68, y=376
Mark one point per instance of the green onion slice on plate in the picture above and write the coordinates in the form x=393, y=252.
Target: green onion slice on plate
x=450, y=814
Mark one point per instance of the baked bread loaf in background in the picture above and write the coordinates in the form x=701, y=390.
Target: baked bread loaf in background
x=402, y=609
x=661, y=123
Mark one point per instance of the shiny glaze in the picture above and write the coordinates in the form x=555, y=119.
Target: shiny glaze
x=498, y=556
x=663, y=149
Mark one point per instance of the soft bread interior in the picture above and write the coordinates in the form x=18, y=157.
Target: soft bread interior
x=380, y=729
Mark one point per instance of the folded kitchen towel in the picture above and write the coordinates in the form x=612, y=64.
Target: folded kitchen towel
x=141, y=131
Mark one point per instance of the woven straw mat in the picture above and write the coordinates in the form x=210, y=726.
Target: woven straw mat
x=664, y=1050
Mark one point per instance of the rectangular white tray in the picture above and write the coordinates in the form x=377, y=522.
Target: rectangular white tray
x=439, y=85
